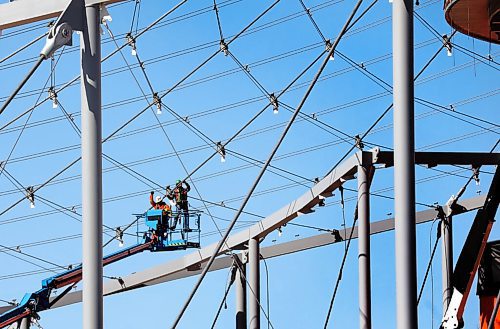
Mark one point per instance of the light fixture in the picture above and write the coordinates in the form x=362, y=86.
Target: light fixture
x=222, y=151
x=274, y=103
x=280, y=232
x=30, y=195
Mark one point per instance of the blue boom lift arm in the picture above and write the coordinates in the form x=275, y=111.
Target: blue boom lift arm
x=161, y=227
x=32, y=303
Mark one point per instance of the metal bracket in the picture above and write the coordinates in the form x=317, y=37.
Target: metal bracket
x=450, y=319
x=61, y=33
x=244, y=257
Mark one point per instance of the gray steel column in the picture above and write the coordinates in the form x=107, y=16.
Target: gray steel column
x=90, y=44
x=365, y=307
x=241, y=298
x=254, y=283
x=25, y=323
x=404, y=164
x=446, y=261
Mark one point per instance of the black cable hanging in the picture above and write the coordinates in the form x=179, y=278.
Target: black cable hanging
x=429, y=265
x=344, y=258
x=232, y=276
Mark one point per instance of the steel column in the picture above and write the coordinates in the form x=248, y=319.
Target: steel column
x=446, y=261
x=90, y=44
x=404, y=164
x=254, y=283
x=241, y=298
x=365, y=314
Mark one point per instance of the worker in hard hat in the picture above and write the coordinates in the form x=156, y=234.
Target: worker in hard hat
x=179, y=195
x=158, y=203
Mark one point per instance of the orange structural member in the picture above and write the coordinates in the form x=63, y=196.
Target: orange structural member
x=488, y=284
x=486, y=305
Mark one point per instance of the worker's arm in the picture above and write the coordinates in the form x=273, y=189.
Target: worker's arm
x=188, y=188
x=153, y=203
x=168, y=193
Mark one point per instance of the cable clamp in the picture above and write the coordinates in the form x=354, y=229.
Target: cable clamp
x=328, y=48
x=358, y=142
x=157, y=102
x=59, y=36
x=274, y=102
x=222, y=151
x=53, y=96
x=475, y=175
x=447, y=44
x=131, y=43
x=223, y=47
x=30, y=195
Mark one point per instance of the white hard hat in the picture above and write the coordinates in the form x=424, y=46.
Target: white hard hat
x=158, y=199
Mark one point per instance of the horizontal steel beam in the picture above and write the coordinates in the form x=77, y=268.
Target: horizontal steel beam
x=170, y=271
x=17, y=13
x=433, y=159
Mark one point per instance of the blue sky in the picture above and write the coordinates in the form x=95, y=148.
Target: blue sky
x=218, y=100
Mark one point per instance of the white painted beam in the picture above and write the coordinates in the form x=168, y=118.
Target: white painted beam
x=22, y=12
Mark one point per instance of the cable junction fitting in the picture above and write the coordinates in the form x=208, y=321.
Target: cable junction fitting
x=131, y=43
x=328, y=48
x=447, y=44
x=157, y=102
x=274, y=102
x=58, y=36
x=358, y=142
x=119, y=236
x=222, y=152
x=53, y=97
x=223, y=47
x=475, y=175
x=30, y=195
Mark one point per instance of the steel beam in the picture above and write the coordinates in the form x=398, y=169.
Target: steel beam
x=432, y=159
x=16, y=13
x=241, y=297
x=254, y=284
x=302, y=205
x=364, y=285
x=404, y=164
x=169, y=271
x=90, y=44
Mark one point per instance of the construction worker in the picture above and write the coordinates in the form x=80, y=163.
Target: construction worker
x=158, y=203
x=180, y=196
